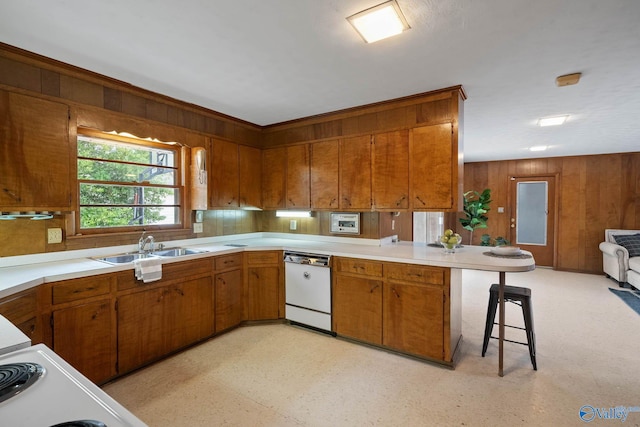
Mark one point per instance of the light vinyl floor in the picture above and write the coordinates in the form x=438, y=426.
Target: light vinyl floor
x=588, y=352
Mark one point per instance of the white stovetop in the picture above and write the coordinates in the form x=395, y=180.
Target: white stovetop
x=23, y=272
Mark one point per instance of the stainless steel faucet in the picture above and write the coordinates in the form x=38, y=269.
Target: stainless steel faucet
x=142, y=242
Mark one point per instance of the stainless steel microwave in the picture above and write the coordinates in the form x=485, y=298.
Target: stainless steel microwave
x=345, y=223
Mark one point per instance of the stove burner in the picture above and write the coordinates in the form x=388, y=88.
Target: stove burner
x=81, y=423
x=17, y=377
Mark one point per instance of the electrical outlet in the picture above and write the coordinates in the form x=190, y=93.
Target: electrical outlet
x=54, y=235
x=293, y=224
x=197, y=227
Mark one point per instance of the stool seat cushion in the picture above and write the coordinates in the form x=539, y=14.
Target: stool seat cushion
x=512, y=290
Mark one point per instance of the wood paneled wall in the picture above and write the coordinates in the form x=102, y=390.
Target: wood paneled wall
x=593, y=193
x=23, y=70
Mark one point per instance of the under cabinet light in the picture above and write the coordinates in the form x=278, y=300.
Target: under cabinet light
x=379, y=22
x=293, y=214
x=552, y=121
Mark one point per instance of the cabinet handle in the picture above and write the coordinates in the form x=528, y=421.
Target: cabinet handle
x=401, y=199
x=332, y=201
x=179, y=292
x=292, y=202
x=421, y=201
x=374, y=288
x=12, y=194
x=395, y=292
x=255, y=274
x=347, y=201
x=222, y=281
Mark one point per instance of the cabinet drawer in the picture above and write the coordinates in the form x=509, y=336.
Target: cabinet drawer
x=19, y=307
x=226, y=262
x=263, y=257
x=170, y=271
x=358, y=266
x=414, y=273
x=78, y=289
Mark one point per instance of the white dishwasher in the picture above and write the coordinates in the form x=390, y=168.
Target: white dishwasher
x=308, y=289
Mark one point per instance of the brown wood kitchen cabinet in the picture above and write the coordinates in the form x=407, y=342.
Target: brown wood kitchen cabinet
x=357, y=299
x=325, y=167
x=224, y=172
x=264, y=285
x=157, y=318
x=355, y=173
x=285, y=177
x=83, y=318
x=22, y=310
x=274, y=167
x=404, y=307
x=229, y=305
x=390, y=171
x=432, y=155
x=297, y=182
x=250, y=169
x=36, y=154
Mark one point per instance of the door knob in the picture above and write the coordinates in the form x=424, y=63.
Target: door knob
x=513, y=226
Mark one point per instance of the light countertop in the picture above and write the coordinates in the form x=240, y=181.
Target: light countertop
x=23, y=272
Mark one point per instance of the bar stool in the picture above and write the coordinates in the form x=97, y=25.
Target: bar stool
x=519, y=296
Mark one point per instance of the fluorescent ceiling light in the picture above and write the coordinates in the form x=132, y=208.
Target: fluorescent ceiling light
x=538, y=148
x=379, y=22
x=293, y=214
x=552, y=121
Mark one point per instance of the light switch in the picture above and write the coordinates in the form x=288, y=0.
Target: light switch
x=197, y=227
x=500, y=209
x=293, y=224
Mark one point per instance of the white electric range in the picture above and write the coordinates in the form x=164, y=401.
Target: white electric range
x=38, y=389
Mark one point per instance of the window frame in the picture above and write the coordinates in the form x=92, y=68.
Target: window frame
x=180, y=182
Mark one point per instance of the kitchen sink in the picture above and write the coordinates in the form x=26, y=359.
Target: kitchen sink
x=178, y=252
x=124, y=258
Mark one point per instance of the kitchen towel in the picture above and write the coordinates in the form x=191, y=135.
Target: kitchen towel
x=148, y=269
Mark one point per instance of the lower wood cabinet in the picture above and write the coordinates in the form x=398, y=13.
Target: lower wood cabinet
x=263, y=285
x=403, y=307
x=83, y=321
x=228, y=297
x=21, y=309
x=157, y=321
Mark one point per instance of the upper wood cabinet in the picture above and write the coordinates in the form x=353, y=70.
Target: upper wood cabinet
x=297, y=185
x=250, y=169
x=35, y=154
x=355, y=173
x=235, y=175
x=390, y=176
x=325, y=169
x=433, y=163
x=225, y=176
x=274, y=165
x=286, y=177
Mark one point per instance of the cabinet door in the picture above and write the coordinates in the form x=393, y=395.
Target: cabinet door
x=325, y=168
x=141, y=337
x=355, y=173
x=188, y=312
x=250, y=176
x=414, y=319
x=263, y=285
x=431, y=151
x=85, y=336
x=35, y=154
x=357, y=308
x=274, y=166
x=298, y=196
x=21, y=309
x=225, y=180
x=228, y=299
x=390, y=176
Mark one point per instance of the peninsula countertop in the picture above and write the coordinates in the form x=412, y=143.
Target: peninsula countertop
x=23, y=272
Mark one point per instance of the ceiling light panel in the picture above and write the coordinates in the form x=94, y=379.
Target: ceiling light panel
x=379, y=22
x=552, y=121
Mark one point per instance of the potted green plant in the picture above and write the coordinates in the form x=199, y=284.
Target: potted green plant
x=476, y=205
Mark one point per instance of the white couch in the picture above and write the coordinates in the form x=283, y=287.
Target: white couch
x=616, y=261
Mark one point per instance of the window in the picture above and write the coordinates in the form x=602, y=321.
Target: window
x=125, y=182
